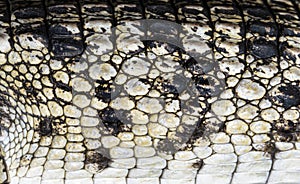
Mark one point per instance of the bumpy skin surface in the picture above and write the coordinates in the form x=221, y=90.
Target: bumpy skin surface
x=50, y=51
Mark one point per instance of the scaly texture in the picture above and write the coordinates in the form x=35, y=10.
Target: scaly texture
x=83, y=99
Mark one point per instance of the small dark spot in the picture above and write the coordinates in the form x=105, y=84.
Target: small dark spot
x=226, y=11
x=99, y=9
x=283, y=137
x=111, y=120
x=5, y=119
x=270, y=148
x=220, y=49
x=164, y=46
x=63, y=86
x=27, y=13
x=263, y=28
x=194, y=28
x=287, y=96
x=290, y=32
x=262, y=48
x=58, y=9
x=103, y=91
x=203, y=86
x=193, y=66
x=45, y=127
x=58, y=30
x=169, y=88
x=160, y=9
x=145, y=81
x=132, y=9
x=288, y=55
x=191, y=11
x=198, y=165
x=66, y=47
x=285, y=126
x=94, y=157
x=103, y=30
x=258, y=11
x=198, y=132
x=199, y=80
x=167, y=146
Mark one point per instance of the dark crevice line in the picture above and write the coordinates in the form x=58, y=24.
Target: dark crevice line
x=180, y=54
x=114, y=25
x=9, y=11
x=234, y=171
x=114, y=21
x=143, y=8
x=278, y=61
x=207, y=13
x=180, y=49
x=7, y=181
x=145, y=43
x=81, y=26
x=278, y=31
x=272, y=154
x=11, y=42
x=4, y=115
x=200, y=166
x=240, y=5
x=175, y=11
x=47, y=26
x=240, y=9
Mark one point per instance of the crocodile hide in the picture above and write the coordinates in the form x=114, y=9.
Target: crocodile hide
x=149, y=92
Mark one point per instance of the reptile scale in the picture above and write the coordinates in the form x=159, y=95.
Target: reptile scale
x=150, y=92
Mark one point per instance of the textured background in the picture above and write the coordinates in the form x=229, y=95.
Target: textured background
x=83, y=99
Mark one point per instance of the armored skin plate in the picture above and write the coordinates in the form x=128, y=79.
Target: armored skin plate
x=149, y=92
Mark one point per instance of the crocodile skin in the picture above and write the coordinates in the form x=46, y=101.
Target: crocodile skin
x=83, y=99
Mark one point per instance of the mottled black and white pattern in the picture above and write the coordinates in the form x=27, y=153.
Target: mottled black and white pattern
x=91, y=92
